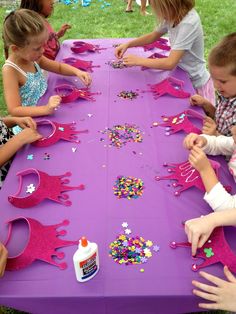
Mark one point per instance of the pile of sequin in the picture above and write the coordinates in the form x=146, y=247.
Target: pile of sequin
x=131, y=250
x=119, y=135
x=128, y=187
x=117, y=64
x=127, y=94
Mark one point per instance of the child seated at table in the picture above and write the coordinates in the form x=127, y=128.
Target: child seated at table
x=3, y=259
x=24, y=35
x=45, y=9
x=10, y=144
x=222, y=66
x=182, y=22
x=216, y=195
x=221, y=293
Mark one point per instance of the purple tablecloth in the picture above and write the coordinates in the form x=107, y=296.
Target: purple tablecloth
x=165, y=285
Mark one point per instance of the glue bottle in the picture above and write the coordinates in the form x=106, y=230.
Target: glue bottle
x=86, y=262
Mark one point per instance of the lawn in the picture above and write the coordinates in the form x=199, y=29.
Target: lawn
x=101, y=21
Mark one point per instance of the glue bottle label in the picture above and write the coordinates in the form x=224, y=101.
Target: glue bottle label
x=88, y=266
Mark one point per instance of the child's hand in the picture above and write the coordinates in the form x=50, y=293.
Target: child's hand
x=196, y=100
x=63, y=30
x=132, y=60
x=198, y=159
x=53, y=103
x=209, y=126
x=220, y=292
x=198, y=231
x=84, y=77
x=28, y=135
x=26, y=122
x=193, y=139
x=120, y=50
x=3, y=259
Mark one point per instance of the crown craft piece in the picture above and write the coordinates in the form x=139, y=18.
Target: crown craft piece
x=81, y=64
x=81, y=47
x=70, y=93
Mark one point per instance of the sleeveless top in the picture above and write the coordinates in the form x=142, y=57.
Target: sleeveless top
x=5, y=135
x=33, y=89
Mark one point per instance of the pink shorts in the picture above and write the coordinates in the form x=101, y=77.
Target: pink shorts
x=207, y=91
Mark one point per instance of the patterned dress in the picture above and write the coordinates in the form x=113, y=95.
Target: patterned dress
x=5, y=135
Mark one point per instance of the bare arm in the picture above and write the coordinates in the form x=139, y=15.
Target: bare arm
x=145, y=39
x=11, y=82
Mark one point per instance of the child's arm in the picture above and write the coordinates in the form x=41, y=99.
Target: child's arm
x=3, y=259
x=140, y=41
x=198, y=230
x=222, y=293
x=11, y=82
x=64, y=69
x=199, y=161
x=9, y=149
x=168, y=63
x=23, y=122
x=193, y=139
x=63, y=30
x=207, y=106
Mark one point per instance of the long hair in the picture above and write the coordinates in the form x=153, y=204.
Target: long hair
x=19, y=26
x=224, y=53
x=35, y=5
x=172, y=11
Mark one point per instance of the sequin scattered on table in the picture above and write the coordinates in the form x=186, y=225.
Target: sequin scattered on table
x=117, y=64
x=127, y=95
x=120, y=135
x=128, y=187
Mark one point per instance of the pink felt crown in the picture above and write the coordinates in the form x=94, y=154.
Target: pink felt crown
x=155, y=55
x=41, y=245
x=81, y=46
x=215, y=250
x=161, y=43
x=49, y=187
x=180, y=122
x=60, y=131
x=81, y=64
x=70, y=93
x=171, y=86
x=185, y=175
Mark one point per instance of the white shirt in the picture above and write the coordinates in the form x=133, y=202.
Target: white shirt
x=188, y=36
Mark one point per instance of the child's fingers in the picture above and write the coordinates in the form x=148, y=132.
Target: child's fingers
x=229, y=275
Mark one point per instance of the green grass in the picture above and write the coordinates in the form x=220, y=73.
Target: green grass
x=218, y=18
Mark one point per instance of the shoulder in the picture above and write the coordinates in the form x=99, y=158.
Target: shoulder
x=191, y=18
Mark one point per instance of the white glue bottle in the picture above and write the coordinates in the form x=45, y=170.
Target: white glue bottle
x=86, y=262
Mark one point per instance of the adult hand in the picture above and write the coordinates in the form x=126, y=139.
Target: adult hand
x=221, y=294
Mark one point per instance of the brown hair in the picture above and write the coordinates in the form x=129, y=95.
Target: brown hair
x=19, y=25
x=224, y=53
x=172, y=11
x=35, y=5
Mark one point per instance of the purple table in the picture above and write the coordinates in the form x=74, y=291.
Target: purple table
x=165, y=286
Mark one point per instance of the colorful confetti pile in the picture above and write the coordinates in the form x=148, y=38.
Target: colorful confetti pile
x=128, y=187
x=117, y=64
x=119, y=135
x=127, y=94
x=131, y=250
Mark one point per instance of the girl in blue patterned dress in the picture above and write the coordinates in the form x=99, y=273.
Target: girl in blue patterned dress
x=24, y=36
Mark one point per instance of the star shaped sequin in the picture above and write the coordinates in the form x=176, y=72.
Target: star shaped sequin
x=30, y=157
x=125, y=224
x=30, y=188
